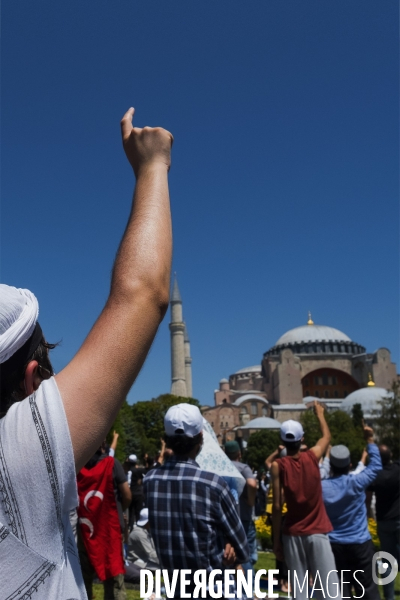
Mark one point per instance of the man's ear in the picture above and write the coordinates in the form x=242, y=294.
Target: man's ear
x=32, y=379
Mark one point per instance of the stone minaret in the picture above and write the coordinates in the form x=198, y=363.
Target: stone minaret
x=177, y=328
x=188, y=364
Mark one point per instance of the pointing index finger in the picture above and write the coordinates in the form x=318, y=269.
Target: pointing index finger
x=126, y=122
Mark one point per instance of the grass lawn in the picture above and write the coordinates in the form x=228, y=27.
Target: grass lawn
x=98, y=593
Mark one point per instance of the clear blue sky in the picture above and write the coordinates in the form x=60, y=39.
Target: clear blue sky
x=284, y=183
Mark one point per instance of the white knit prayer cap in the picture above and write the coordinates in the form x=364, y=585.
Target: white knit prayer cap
x=19, y=311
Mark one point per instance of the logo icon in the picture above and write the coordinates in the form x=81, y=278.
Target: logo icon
x=381, y=561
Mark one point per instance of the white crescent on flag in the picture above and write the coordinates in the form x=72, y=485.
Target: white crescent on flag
x=89, y=524
x=92, y=494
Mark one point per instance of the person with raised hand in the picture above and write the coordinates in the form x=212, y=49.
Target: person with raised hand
x=296, y=478
x=51, y=425
x=344, y=496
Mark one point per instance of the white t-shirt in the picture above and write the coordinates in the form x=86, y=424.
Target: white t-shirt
x=38, y=554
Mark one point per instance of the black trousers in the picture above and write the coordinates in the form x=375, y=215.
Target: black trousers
x=134, y=509
x=356, y=557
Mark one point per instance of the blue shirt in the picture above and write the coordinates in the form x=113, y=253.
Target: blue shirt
x=344, y=499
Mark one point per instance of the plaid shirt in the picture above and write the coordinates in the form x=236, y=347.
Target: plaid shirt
x=192, y=516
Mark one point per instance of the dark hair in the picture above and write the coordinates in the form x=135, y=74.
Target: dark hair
x=340, y=470
x=292, y=446
x=10, y=388
x=386, y=454
x=182, y=445
x=232, y=455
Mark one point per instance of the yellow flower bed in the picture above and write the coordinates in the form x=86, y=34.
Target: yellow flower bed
x=264, y=532
x=374, y=533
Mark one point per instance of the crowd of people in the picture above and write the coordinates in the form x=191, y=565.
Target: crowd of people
x=70, y=510
x=178, y=516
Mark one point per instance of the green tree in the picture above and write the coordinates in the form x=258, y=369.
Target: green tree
x=388, y=421
x=260, y=445
x=342, y=431
x=150, y=413
x=129, y=441
x=357, y=415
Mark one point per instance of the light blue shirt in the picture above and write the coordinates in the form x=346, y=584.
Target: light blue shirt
x=344, y=499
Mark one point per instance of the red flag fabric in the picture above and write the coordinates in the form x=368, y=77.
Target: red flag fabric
x=98, y=519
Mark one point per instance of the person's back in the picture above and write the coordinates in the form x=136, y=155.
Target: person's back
x=141, y=549
x=304, y=543
x=246, y=502
x=387, y=492
x=38, y=487
x=345, y=502
x=192, y=515
x=301, y=482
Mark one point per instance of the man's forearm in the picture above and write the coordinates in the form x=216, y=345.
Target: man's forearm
x=143, y=260
x=324, y=427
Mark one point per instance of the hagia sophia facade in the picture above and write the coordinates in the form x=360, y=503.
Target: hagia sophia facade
x=306, y=363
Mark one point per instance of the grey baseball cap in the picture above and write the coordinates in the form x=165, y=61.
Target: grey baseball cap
x=340, y=456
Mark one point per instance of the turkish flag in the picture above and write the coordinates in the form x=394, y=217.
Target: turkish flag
x=98, y=519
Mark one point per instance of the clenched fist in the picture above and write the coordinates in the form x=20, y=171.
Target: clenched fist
x=146, y=146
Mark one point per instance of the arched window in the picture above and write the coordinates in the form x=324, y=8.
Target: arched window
x=265, y=411
x=254, y=408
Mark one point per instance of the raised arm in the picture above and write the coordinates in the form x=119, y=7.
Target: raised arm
x=367, y=475
x=95, y=383
x=276, y=510
x=321, y=446
x=114, y=442
x=268, y=461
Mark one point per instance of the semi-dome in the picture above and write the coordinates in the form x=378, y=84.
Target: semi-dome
x=312, y=333
x=247, y=397
x=262, y=423
x=369, y=398
x=254, y=369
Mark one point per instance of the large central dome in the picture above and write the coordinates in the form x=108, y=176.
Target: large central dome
x=312, y=333
x=315, y=339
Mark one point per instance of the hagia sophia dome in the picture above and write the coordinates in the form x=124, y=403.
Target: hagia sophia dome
x=312, y=338
x=312, y=333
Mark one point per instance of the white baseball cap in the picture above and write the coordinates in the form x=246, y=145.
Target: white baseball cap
x=143, y=517
x=291, y=431
x=183, y=419
x=132, y=458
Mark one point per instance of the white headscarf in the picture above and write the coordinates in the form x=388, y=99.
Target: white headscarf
x=19, y=311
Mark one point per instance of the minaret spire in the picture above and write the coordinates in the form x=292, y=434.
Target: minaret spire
x=188, y=364
x=177, y=329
